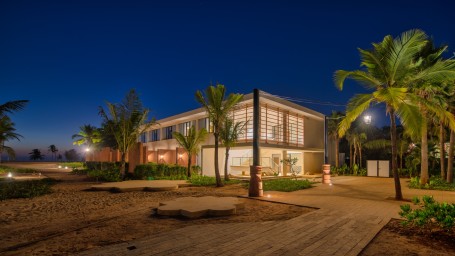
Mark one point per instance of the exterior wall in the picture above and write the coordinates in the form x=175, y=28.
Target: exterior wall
x=314, y=133
x=313, y=162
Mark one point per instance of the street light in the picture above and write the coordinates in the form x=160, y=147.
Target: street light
x=367, y=119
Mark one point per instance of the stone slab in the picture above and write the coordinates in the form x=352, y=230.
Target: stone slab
x=140, y=185
x=196, y=207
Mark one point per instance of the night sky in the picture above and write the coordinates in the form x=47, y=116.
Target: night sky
x=69, y=57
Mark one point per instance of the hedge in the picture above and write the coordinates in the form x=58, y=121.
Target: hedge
x=160, y=172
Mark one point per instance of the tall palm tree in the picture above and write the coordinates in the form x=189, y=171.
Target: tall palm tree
x=434, y=92
x=217, y=107
x=7, y=132
x=191, y=143
x=12, y=106
x=36, y=154
x=229, y=134
x=390, y=69
x=53, y=149
x=88, y=135
x=126, y=121
x=333, y=122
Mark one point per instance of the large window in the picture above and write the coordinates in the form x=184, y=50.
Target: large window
x=208, y=125
x=168, y=133
x=143, y=137
x=154, y=135
x=185, y=128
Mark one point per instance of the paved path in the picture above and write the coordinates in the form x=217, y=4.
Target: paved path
x=351, y=213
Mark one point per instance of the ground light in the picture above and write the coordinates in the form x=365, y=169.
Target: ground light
x=10, y=175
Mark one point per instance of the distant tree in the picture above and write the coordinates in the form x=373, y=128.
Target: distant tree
x=36, y=155
x=217, y=108
x=7, y=132
x=88, y=135
x=229, y=134
x=53, y=149
x=59, y=157
x=126, y=121
x=72, y=155
x=191, y=142
x=333, y=122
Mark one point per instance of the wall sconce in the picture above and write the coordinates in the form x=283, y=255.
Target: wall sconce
x=180, y=156
x=161, y=157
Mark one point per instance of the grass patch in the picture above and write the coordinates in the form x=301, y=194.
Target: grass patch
x=25, y=189
x=202, y=180
x=73, y=165
x=435, y=184
x=285, y=185
x=6, y=169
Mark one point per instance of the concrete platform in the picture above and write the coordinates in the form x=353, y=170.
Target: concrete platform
x=196, y=207
x=140, y=185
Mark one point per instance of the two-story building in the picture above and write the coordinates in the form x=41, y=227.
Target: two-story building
x=287, y=130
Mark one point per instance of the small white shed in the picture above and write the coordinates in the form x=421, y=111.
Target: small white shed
x=378, y=168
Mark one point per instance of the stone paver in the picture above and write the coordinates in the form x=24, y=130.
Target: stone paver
x=138, y=185
x=196, y=207
x=351, y=212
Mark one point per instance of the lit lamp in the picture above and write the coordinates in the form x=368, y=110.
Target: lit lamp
x=10, y=175
x=367, y=119
x=180, y=157
x=87, y=149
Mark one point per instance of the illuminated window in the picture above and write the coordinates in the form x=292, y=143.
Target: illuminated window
x=168, y=133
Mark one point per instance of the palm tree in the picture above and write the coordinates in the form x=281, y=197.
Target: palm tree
x=12, y=106
x=7, y=132
x=434, y=93
x=218, y=108
x=36, y=154
x=191, y=143
x=53, y=149
x=126, y=121
x=333, y=122
x=88, y=135
x=389, y=71
x=229, y=134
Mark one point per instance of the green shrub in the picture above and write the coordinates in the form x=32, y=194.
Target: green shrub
x=429, y=214
x=6, y=169
x=202, y=180
x=77, y=171
x=78, y=165
x=104, y=165
x=111, y=175
x=286, y=185
x=160, y=172
x=435, y=183
x=25, y=189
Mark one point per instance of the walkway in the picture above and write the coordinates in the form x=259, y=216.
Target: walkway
x=351, y=213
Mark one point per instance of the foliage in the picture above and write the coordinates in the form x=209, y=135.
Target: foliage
x=196, y=169
x=53, y=149
x=430, y=214
x=72, y=155
x=126, y=121
x=36, y=155
x=202, y=180
x=6, y=169
x=160, y=172
x=291, y=162
x=286, y=185
x=435, y=183
x=7, y=132
x=191, y=142
x=79, y=171
x=110, y=175
x=88, y=135
x=74, y=164
x=230, y=132
x=25, y=189
x=345, y=170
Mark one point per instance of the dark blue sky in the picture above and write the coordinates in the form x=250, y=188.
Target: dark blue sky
x=69, y=57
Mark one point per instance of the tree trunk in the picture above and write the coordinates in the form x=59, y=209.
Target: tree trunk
x=189, y=166
x=350, y=155
x=360, y=157
x=122, y=166
x=226, y=176
x=337, y=152
x=450, y=158
x=219, y=183
x=442, y=155
x=424, y=154
x=393, y=138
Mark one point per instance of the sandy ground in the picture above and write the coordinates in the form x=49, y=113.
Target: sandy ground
x=73, y=219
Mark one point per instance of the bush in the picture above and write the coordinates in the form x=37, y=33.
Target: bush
x=25, y=189
x=435, y=183
x=286, y=185
x=77, y=171
x=202, y=180
x=160, y=172
x=74, y=165
x=111, y=175
x=430, y=214
x=104, y=165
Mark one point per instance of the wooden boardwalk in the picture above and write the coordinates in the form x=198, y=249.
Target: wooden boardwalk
x=351, y=213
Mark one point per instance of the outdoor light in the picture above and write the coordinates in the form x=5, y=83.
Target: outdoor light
x=180, y=156
x=59, y=166
x=66, y=167
x=87, y=149
x=10, y=175
x=161, y=156
x=367, y=119
x=268, y=196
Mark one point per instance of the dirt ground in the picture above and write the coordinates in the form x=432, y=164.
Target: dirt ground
x=73, y=219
